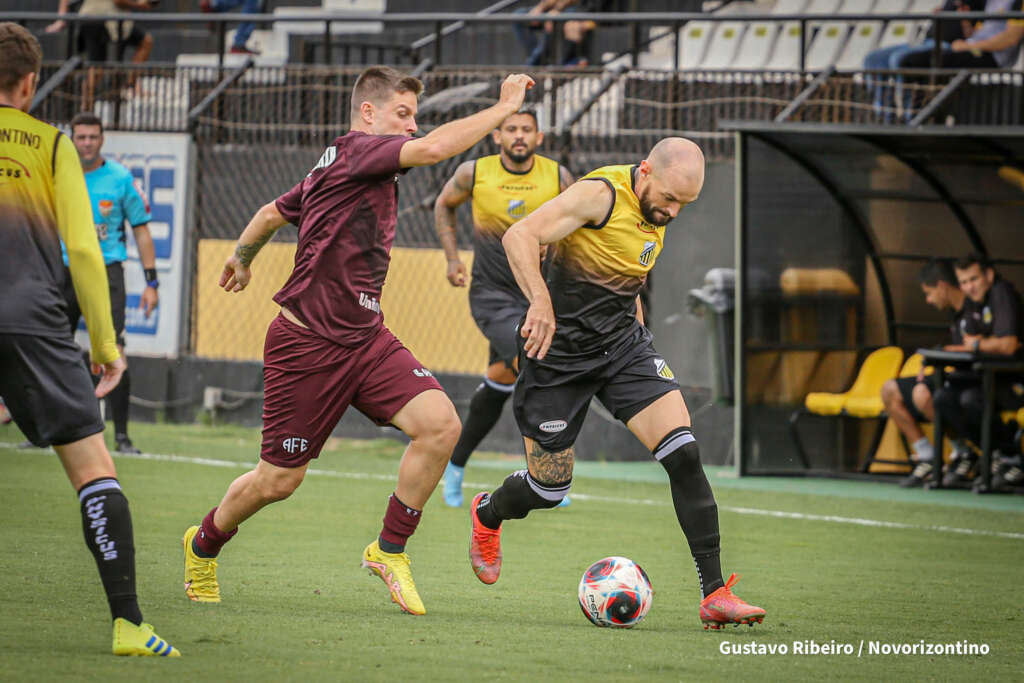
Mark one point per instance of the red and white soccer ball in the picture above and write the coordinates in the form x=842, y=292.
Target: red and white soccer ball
x=615, y=592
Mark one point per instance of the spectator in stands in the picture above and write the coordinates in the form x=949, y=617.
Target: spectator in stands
x=574, y=31
x=995, y=43
x=908, y=400
x=993, y=325
x=244, y=29
x=94, y=37
x=891, y=57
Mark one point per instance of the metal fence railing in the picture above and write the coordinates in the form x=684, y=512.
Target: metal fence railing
x=644, y=27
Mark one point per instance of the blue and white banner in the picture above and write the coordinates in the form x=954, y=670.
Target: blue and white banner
x=160, y=163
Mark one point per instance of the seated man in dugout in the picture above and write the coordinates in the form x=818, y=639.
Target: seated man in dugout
x=908, y=400
x=994, y=326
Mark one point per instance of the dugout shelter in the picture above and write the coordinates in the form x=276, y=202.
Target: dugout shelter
x=833, y=224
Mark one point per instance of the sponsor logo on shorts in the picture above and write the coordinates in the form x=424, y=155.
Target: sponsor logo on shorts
x=369, y=302
x=295, y=444
x=662, y=368
x=647, y=253
x=552, y=426
x=422, y=372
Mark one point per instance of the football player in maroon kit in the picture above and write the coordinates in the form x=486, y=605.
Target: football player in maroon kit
x=329, y=349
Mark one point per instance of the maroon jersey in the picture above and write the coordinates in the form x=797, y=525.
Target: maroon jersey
x=346, y=210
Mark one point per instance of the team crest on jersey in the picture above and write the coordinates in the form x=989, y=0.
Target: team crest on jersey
x=647, y=254
x=516, y=208
x=662, y=368
x=986, y=316
x=106, y=206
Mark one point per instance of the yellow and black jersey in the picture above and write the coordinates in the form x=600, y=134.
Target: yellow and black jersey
x=43, y=200
x=597, y=270
x=500, y=198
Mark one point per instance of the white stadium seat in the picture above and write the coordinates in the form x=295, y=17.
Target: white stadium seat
x=693, y=45
x=724, y=44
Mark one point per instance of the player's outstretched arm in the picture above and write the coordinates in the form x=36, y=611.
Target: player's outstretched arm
x=85, y=261
x=261, y=228
x=457, y=136
x=583, y=203
x=455, y=192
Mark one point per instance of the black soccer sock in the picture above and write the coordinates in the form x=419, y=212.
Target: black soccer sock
x=484, y=412
x=517, y=495
x=695, y=504
x=107, y=525
x=118, y=400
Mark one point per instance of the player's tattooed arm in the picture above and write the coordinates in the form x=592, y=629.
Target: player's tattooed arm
x=565, y=178
x=456, y=191
x=247, y=252
x=550, y=468
x=260, y=230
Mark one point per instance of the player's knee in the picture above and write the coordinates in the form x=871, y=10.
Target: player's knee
x=447, y=430
x=679, y=454
x=891, y=393
x=280, y=484
x=501, y=373
x=921, y=395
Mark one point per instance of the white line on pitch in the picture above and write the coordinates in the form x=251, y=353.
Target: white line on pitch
x=856, y=521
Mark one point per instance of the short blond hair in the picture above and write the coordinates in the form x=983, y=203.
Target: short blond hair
x=378, y=83
x=20, y=54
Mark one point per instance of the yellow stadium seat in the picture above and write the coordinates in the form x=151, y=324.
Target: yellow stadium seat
x=862, y=400
x=868, y=406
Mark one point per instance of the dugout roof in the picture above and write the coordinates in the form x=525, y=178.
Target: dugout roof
x=833, y=225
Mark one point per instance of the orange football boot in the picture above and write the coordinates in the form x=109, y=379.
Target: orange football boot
x=484, y=547
x=722, y=607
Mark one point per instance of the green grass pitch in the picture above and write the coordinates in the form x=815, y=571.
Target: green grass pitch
x=831, y=562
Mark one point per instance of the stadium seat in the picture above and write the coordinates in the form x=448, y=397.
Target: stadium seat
x=831, y=38
x=724, y=43
x=862, y=400
x=907, y=30
x=863, y=39
x=786, y=55
x=695, y=38
x=759, y=40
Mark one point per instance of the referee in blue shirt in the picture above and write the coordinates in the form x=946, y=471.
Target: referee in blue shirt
x=116, y=199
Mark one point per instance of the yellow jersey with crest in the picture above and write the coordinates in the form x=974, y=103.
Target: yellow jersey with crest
x=598, y=270
x=500, y=198
x=43, y=200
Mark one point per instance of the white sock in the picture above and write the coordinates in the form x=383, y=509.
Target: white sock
x=923, y=449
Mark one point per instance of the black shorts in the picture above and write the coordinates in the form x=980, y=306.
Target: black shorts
x=93, y=39
x=47, y=389
x=118, y=300
x=906, y=386
x=551, y=397
x=498, y=315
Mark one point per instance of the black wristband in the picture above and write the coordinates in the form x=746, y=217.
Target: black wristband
x=149, y=274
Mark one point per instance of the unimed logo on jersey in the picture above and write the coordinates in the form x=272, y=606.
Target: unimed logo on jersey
x=295, y=444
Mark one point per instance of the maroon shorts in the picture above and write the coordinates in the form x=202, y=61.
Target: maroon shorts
x=309, y=382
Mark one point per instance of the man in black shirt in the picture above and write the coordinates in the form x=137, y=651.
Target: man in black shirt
x=993, y=325
x=908, y=400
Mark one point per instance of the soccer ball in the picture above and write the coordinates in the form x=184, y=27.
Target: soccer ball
x=615, y=592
